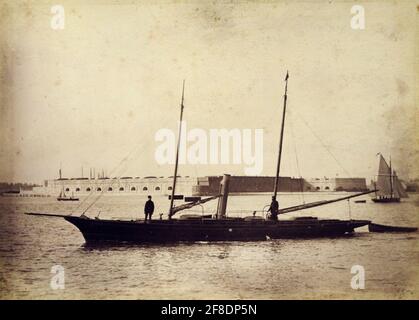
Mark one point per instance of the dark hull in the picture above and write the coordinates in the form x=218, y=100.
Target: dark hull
x=373, y=227
x=386, y=200
x=175, y=230
x=68, y=199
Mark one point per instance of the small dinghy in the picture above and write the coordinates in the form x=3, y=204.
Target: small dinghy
x=67, y=199
x=373, y=227
x=360, y=201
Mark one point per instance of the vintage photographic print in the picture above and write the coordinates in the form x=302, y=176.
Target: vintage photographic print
x=205, y=150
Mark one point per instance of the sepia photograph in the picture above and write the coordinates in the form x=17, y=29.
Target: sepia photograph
x=209, y=150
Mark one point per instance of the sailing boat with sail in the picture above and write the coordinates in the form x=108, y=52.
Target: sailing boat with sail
x=217, y=227
x=389, y=187
x=62, y=196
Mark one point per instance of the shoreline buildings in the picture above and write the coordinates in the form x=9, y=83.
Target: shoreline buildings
x=194, y=186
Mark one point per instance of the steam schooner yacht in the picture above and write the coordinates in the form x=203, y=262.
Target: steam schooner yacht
x=217, y=227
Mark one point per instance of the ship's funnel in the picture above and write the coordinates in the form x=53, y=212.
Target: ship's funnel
x=222, y=201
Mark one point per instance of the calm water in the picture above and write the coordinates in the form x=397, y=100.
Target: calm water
x=280, y=269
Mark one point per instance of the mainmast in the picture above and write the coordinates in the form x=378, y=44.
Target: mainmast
x=177, y=153
x=281, y=137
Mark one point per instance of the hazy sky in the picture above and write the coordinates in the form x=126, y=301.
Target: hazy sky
x=99, y=89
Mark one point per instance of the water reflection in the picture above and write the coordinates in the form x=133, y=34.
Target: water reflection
x=302, y=268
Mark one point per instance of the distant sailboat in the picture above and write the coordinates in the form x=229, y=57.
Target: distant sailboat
x=63, y=196
x=389, y=187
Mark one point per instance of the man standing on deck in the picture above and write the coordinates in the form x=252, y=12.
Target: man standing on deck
x=273, y=209
x=148, y=208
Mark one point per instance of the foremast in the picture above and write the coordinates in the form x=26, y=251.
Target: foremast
x=171, y=211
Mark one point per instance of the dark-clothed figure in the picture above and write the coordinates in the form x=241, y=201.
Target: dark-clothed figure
x=273, y=209
x=148, y=208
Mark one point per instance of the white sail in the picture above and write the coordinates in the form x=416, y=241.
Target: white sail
x=384, y=184
x=398, y=186
x=396, y=193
